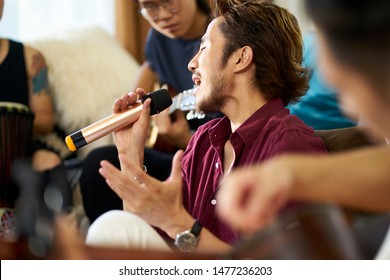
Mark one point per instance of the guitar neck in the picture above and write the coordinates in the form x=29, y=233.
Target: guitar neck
x=183, y=101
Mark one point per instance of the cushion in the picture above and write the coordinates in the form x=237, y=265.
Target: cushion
x=88, y=70
x=343, y=139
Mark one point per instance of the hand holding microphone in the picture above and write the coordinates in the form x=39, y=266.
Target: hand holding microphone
x=160, y=100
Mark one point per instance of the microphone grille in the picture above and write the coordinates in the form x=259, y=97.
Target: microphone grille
x=160, y=101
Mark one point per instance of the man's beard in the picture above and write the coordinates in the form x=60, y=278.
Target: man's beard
x=216, y=99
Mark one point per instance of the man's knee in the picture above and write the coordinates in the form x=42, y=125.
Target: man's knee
x=130, y=232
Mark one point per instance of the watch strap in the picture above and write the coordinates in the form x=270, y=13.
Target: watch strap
x=196, y=228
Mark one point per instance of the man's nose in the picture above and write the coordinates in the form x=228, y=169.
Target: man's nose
x=193, y=64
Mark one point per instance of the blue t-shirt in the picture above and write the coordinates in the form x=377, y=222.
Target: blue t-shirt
x=169, y=58
x=319, y=108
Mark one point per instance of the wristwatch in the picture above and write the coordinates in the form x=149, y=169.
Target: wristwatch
x=187, y=240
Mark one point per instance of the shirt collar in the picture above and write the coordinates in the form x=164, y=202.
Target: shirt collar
x=253, y=126
x=250, y=129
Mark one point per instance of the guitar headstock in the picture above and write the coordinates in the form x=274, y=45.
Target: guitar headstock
x=186, y=101
x=195, y=115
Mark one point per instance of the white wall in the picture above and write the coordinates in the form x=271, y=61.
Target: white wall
x=25, y=20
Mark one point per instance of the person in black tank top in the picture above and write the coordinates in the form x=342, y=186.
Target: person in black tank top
x=12, y=72
x=23, y=80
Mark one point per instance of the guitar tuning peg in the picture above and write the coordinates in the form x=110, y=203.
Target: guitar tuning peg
x=195, y=115
x=200, y=115
x=191, y=115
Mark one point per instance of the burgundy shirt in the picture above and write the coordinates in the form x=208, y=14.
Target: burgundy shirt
x=270, y=131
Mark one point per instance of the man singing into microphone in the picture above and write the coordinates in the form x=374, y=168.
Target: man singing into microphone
x=176, y=29
x=248, y=67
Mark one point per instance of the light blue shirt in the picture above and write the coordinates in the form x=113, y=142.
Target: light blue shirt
x=319, y=108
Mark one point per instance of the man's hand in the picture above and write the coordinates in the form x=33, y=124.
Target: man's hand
x=130, y=141
x=174, y=129
x=158, y=203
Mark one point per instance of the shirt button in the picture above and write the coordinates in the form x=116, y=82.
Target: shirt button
x=214, y=202
x=217, y=165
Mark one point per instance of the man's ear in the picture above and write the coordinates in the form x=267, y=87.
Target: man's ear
x=243, y=58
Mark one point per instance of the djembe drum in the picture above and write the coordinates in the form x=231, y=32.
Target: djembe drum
x=16, y=122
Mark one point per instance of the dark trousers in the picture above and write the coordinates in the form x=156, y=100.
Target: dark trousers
x=97, y=196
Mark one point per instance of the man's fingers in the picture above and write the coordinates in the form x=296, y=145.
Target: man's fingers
x=144, y=118
x=176, y=166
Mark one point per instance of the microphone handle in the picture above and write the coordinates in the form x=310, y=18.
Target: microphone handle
x=103, y=127
x=112, y=123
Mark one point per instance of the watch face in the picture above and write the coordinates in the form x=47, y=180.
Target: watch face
x=186, y=241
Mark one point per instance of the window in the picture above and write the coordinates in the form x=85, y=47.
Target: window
x=30, y=19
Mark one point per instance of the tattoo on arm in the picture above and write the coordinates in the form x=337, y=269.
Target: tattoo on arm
x=39, y=79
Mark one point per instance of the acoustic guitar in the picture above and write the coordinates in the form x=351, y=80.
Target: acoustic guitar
x=184, y=101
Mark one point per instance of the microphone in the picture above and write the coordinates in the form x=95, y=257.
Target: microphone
x=160, y=101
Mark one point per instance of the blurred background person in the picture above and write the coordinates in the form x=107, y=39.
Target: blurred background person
x=354, y=57
x=320, y=106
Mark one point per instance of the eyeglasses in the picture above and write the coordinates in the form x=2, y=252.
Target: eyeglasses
x=151, y=10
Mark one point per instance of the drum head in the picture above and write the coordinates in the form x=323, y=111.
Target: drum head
x=9, y=106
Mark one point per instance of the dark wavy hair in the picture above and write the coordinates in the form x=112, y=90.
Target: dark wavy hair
x=358, y=35
x=275, y=37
